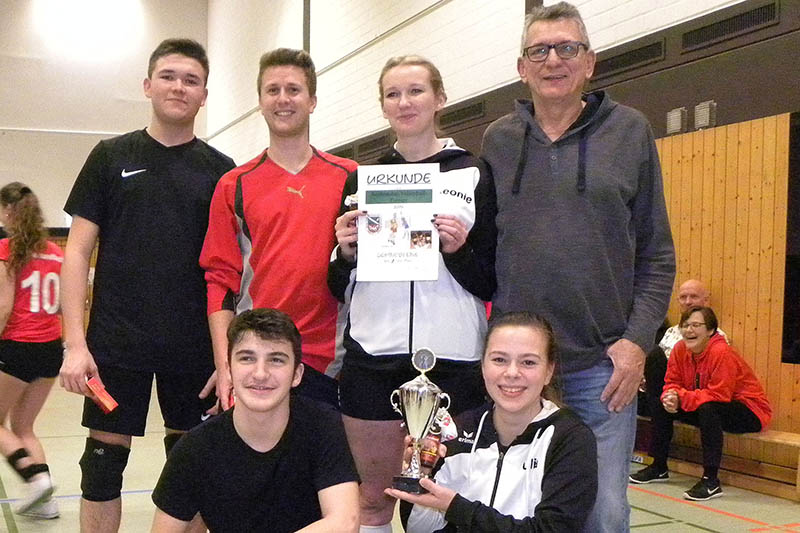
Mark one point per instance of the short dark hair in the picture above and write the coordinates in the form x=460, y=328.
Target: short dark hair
x=709, y=317
x=288, y=56
x=266, y=324
x=559, y=11
x=534, y=321
x=185, y=47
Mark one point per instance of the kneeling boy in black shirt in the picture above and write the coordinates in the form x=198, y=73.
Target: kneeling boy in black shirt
x=273, y=462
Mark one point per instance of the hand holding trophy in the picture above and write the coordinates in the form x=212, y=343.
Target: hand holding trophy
x=419, y=402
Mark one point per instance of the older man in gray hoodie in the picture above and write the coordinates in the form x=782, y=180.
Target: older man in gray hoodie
x=583, y=236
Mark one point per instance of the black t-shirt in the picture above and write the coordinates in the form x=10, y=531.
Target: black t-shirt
x=235, y=488
x=151, y=204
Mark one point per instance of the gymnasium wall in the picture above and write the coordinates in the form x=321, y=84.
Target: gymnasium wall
x=474, y=43
x=71, y=75
x=726, y=190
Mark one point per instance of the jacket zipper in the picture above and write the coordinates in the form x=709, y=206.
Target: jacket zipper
x=497, y=477
x=411, y=318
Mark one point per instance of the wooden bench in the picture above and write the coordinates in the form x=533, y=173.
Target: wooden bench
x=766, y=462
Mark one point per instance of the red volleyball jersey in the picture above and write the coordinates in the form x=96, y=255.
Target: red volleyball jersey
x=35, y=315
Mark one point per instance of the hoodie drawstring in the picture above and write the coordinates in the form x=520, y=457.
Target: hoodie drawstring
x=523, y=160
x=580, y=184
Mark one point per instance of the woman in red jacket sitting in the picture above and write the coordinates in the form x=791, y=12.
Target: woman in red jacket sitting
x=710, y=386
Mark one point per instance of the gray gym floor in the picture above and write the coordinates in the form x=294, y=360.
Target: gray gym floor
x=656, y=507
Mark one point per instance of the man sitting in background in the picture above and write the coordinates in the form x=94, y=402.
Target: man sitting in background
x=692, y=293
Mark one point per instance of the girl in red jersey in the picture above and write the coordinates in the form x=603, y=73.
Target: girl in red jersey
x=30, y=343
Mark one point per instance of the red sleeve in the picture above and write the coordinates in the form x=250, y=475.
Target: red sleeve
x=5, y=250
x=722, y=372
x=221, y=257
x=672, y=379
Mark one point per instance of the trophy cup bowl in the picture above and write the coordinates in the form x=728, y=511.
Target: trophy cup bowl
x=417, y=401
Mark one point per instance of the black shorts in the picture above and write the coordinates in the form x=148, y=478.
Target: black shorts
x=30, y=361
x=364, y=390
x=318, y=386
x=177, y=397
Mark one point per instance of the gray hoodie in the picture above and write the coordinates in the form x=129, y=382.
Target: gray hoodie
x=583, y=236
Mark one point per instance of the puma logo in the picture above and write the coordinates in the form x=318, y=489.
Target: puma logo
x=298, y=192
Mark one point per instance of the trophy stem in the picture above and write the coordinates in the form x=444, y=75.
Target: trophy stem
x=414, y=465
x=408, y=480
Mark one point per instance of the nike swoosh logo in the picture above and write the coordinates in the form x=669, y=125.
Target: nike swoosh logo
x=132, y=172
x=204, y=417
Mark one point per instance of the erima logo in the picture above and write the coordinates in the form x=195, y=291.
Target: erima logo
x=534, y=462
x=126, y=174
x=298, y=192
x=467, y=438
x=99, y=451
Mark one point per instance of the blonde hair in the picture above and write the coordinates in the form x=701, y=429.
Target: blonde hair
x=436, y=77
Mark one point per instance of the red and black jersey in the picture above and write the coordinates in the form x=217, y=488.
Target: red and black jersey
x=270, y=237
x=34, y=317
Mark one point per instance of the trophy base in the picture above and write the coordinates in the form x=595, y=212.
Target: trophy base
x=408, y=484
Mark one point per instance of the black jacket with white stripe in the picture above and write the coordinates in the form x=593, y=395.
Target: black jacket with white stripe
x=545, y=480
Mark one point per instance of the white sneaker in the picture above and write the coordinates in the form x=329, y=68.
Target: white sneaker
x=39, y=488
x=46, y=510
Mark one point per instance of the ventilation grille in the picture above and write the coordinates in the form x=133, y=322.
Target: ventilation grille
x=746, y=22
x=465, y=114
x=632, y=59
x=378, y=144
x=347, y=153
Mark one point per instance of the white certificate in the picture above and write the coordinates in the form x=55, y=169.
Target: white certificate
x=396, y=238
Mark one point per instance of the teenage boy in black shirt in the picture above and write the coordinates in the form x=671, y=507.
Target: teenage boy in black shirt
x=146, y=196
x=273, y=462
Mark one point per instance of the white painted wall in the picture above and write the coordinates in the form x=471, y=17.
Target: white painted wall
x=239, y=32
x=473, y=42
x=97, y=93
x=613, y=22
x=59, y=88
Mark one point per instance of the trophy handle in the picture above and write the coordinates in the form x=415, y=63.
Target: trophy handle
x=444, y=396
x=394, y=402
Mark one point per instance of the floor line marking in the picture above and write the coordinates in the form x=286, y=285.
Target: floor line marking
x=4, y=500
x=699, y=506
x=8, y=514
x=653, y=512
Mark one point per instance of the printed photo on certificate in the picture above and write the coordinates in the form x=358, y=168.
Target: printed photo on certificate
x=396, y=239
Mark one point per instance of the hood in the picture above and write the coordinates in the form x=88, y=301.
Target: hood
x=715, y=339
x=598, y=106
x=450, y=151
x=487, y=434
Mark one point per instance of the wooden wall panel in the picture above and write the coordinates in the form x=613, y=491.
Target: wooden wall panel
x=726, y=192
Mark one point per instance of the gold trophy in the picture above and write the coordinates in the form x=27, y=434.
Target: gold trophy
x=419, y=401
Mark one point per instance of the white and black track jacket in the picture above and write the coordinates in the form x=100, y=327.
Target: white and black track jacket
x=546, y=480
x=446, y=315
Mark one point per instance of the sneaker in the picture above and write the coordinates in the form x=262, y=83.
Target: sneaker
x=649, y=474
x=39, y=488
x=46, y=510
x=705, y=489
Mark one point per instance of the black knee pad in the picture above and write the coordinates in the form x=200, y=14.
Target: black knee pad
x=170, y=440
x=102, y=466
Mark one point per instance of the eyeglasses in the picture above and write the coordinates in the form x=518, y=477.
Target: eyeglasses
x=693, y=325
x=566, y=50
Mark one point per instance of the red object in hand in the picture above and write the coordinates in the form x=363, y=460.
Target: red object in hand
x=101, y=396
